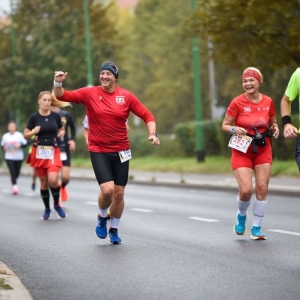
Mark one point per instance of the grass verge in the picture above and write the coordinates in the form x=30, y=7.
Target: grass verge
x=4, y=286
x=211, y=165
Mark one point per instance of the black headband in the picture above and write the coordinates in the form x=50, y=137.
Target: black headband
x=111, y=67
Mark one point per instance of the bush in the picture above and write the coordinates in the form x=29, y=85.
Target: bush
x=182, y=143
x=81, y=148
x=141, y=147
x=216, y=141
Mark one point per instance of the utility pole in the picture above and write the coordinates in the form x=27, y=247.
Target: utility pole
x=14, y=54
x=88, y=43
x=199, y=130
x=212, y=85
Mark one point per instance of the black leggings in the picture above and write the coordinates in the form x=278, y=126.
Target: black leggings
x=14, y=167
x=108, y=167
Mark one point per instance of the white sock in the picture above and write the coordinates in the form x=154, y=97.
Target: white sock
x=103, y=212
x=114, y=223
x=259, y=209
x=242, y=206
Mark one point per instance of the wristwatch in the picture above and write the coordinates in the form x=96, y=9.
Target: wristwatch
x=155, y=134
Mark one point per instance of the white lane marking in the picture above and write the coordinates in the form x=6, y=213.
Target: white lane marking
x=142, y=210
x=92, y=203
x=30, y=194
x=203, y=219
x=285, y=232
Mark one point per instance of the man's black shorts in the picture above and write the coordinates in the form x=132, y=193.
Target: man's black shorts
x=108, y=167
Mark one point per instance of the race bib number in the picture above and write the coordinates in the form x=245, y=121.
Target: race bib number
x=125, y=155
x=240, y=142
x=45, y=152
x=10, y=148
x=63, y=156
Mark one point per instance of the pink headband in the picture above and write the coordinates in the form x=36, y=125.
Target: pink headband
x=252, y=73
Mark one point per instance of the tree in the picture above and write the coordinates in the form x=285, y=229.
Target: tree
x=159, y=62
x=250, y=32
x=50, y=36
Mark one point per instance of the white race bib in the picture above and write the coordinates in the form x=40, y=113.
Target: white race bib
x=240, y=142
x=63, y=156
x=125, y=155
x=45, y=152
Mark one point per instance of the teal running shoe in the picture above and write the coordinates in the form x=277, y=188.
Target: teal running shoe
x=114, y=237
x=101, y=229
x=256, y=234
x=240, y=226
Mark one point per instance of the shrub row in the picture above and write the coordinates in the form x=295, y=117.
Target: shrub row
x=182, y=143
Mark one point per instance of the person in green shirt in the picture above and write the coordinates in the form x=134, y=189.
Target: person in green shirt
x=292, y=91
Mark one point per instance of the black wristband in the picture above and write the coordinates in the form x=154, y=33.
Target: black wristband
x=286, y=120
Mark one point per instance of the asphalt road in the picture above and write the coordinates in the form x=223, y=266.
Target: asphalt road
x=177, y=244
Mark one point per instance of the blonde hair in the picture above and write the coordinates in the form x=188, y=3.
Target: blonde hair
x=256, y=70
x=57, y=103
x=41, y=94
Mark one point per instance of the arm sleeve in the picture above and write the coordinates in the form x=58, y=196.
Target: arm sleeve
x=31, y=123
x=59, y=122
x=140, y=110
x=3, y=140
x=77, y=96
x=293, y=88
x=23, y=142
x=72, y=127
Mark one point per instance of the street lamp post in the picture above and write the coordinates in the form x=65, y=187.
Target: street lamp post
x=14, y=53
x=199, y=130
x=88, y=43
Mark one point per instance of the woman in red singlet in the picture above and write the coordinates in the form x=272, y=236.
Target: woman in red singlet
x=251, y=120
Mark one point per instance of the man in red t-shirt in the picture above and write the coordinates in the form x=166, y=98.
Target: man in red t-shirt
x=108, y=107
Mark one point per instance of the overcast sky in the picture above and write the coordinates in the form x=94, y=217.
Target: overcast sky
x=4, y=5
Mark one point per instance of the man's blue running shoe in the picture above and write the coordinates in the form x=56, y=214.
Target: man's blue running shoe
x=114, y=237
x=240, y=226
x=256, y=234
x=101, y=229
x=46, y=214
x=60, y=213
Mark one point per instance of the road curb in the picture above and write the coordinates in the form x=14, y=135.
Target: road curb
x=273, y=190
x=217, y=185
x=18, y=291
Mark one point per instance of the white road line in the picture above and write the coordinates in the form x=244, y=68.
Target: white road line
x=203, y=219
x=142, y=210
x=30, y=194
x=285, y=232
x=92, y=203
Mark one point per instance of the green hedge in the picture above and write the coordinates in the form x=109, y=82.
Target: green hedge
x=216, y=141
x=140, y=145
x=81, y=147
x=182, y=142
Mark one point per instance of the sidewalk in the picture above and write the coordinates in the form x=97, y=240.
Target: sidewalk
x=11, y=287
x=278, y=185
